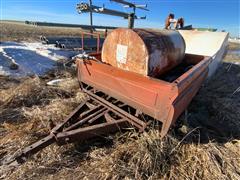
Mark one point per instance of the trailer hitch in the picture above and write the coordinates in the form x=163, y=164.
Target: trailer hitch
x=97, y=115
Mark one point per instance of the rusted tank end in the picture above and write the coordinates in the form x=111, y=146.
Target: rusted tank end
x=146, y=52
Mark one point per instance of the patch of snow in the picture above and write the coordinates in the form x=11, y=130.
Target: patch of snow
x=55, y=82
x=6, y=71
x=32, y=58
x=50, y=51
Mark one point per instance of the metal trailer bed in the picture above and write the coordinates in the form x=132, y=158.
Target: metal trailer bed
x=163, y=101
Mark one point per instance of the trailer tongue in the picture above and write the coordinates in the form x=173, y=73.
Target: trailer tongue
x=99, y=114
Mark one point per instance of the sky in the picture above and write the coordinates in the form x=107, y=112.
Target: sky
x=220, y=14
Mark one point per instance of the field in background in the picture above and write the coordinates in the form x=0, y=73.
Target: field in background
x=203, y=146
x=18, y=31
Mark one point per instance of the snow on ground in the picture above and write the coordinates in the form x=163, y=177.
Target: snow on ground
x=32, y=58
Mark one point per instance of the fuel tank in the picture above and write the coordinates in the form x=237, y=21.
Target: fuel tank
x=143, y=51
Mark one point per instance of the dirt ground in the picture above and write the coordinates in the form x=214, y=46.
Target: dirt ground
x=205, y=146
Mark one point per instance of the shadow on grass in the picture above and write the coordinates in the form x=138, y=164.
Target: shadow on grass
x=215, y=110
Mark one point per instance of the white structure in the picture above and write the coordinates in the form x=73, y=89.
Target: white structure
x=212, y=44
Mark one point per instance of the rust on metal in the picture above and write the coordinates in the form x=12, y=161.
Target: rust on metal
x=116, y=98
x=98, y=115
x=83, y=134
x=161, y=100
x=147, y=52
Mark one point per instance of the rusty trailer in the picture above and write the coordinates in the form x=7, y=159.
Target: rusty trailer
x=162, y=100
x=117, y=99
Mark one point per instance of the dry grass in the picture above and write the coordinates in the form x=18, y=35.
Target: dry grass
x=209, y=150
x=233, y=57
x=234, y=46
x=148, y=157
x=20, y=32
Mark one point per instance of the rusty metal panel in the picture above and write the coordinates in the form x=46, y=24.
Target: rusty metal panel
x=147, y=52
x=159, y=99
x=137, y=91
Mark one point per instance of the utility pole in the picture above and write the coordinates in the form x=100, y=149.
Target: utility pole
x=91, y=16
x=132, y=16
x=89, y=8
x=131, y=19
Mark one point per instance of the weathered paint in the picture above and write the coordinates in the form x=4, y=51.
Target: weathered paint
x=159, y=99
x=147, y=52
x=162, y=100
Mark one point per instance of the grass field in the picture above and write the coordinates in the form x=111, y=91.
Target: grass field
x=17, y=31
x=206, y=146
